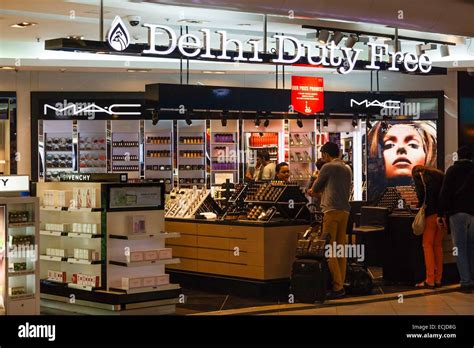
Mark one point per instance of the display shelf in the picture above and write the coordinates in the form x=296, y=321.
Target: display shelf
x=124, y=263
x=21, y=273
x=52, y=258
x=147, y=289
x=22, y=224
x=59, y=151
x=83, y=235
x=146, y=236
x=22, y=297
x=224, y=170
x=83, y=262
x=81, y=287
x=72, y=209
x=54, y=281
x=52, y=233
x=223, y=144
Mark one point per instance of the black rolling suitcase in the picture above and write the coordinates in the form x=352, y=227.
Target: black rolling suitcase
x=310, y=280
x=310, y=277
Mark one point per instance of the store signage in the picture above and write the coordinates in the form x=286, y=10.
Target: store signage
x=19, y=183
x=307, y=96
x=94, y=177
x=331, y=56
x=388, y=104
x=89, y=109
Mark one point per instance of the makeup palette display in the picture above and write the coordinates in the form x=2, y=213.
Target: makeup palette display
x=399, y=198
x=59, y=155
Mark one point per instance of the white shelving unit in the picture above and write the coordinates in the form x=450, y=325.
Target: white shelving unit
x=69, y=240
x=19, y=266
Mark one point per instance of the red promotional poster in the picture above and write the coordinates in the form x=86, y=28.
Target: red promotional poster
x=307, y=94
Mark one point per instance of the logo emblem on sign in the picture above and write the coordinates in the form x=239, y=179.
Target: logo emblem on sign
x=118, y=36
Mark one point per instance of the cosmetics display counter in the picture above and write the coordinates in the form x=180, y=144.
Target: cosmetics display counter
x=104, y=243
x=255, y=238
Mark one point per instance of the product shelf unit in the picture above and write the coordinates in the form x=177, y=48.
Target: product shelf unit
x=71, y=220
x=126, y=148
x=301, y=155
x=19, y=267
x=225, y=154
x=118, y=208
x=159, y=152
x=192, y=153
x=136, y=250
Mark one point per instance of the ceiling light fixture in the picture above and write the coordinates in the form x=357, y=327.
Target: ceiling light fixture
x=7, y=68
x=23, y=25
x=351, y=41
x=154, y=117
x=355, y=121
x=257, y=120
x=75, y=37
x=299, y=122
x=192, y=21
x=444, y=50
x=323, y=36
x=337, y=37
x=368, y=123
x=224, y=118
x=326, y=121
x=138, y=70
x=215, y=72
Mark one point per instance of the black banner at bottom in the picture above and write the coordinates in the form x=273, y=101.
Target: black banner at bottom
x=138, y=331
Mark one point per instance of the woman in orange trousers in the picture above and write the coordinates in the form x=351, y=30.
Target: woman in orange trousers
x=432, y=180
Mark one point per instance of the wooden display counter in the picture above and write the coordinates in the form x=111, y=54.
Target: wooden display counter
x=235, y=249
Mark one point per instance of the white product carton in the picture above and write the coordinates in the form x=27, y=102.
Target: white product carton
x=163, y=279
x=149, y=281
x=131, y=283
x=165, y=253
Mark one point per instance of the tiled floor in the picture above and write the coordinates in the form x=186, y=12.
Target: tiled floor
x=413, y=303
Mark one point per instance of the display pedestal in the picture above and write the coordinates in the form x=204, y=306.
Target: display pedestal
x=247, y=257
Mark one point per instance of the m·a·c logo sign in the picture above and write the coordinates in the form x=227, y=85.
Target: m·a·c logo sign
x=118, y=37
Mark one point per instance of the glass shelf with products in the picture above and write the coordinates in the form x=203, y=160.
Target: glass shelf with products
x=192, y=153
x=159, y=152
x=224, y=151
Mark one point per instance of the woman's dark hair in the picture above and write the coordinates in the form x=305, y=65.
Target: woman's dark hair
x=279, y=166
x=263, y=154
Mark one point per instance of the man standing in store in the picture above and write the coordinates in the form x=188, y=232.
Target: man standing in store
x=456, y=204
x=264, y=169
x=334, y=182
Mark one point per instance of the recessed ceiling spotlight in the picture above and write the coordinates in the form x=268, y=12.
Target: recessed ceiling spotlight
x=23, y=25
x=75, y=37
x=192, y=21
x=215, y=72
x=138, y=70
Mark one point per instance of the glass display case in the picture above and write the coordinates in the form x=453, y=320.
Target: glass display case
x=19, y=281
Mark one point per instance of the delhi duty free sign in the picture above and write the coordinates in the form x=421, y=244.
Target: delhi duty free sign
x=199, y=47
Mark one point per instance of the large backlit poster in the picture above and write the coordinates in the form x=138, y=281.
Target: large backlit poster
x=466, y=108
x=393, y=149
